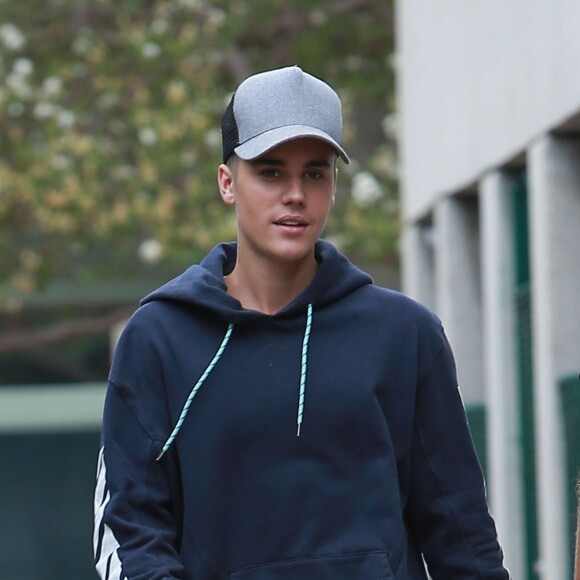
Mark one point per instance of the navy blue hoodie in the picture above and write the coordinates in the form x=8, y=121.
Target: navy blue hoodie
x=202, y=474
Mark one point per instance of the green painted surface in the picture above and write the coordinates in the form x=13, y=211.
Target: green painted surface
x=524, y=359
x=570, y=401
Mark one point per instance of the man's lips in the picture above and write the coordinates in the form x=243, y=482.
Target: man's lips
x=291, y=221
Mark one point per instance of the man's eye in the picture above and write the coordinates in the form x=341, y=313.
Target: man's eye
x=314, y=175
x=269, y=172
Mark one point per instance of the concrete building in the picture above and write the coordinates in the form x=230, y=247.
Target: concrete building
x=489, y=101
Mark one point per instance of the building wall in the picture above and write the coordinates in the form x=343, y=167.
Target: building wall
x=489, y=97
x=501, y=71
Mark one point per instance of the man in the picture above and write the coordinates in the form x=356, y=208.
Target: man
x=271, y=413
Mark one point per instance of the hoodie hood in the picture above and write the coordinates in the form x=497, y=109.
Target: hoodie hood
x=203, y=285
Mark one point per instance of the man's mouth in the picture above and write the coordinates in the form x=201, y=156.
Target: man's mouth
x=291, y=222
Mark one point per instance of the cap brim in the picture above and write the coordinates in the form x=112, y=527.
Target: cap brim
x=257, y=146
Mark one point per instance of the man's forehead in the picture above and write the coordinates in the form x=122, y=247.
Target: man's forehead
x=308, y=149
x=277, y=161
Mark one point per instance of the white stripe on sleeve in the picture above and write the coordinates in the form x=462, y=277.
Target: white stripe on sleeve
x=105, y=545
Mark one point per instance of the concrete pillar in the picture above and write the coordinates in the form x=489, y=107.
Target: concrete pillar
x=554, y=202
x=457, y=288
x=417, y=263
x=504, y=458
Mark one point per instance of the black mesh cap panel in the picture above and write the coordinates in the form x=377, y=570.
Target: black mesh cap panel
x=230, y=137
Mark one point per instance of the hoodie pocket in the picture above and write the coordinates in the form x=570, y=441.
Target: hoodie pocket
x=359, y=566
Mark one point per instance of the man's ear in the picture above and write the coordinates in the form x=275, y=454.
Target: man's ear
x=226, y=184
x=335, y=183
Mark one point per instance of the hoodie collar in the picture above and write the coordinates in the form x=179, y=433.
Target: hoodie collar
x=203, y=285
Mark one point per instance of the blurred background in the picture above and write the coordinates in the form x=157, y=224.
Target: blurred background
x=463, y=123
x=109, y=145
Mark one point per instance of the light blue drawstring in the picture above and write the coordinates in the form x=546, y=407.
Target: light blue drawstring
x=303, y=368
x=215, y=360
x=196, y=388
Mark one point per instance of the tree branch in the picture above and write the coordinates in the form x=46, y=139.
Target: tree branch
x=27, y=339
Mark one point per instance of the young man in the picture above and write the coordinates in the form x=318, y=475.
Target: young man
x=273, y=415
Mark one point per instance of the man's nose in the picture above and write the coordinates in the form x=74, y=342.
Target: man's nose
x=295, y=191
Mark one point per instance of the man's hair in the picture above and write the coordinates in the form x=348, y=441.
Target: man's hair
x=232, y=163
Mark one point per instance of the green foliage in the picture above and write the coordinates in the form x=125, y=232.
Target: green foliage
x=109, y=126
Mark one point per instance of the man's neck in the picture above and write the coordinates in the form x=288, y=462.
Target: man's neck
x=266, y=287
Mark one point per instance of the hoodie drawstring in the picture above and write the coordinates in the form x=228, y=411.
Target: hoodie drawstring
x=303, y=366
x=196, y=388
x=215, y=360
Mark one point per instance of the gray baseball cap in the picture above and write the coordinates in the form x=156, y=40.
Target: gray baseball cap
x=276, y=106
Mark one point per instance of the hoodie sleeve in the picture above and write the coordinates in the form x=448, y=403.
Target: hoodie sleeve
x=447, y=506
x=137, y=499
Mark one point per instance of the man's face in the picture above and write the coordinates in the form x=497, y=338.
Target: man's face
x=282, y=199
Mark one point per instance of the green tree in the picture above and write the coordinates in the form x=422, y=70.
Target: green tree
x=109, y=128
